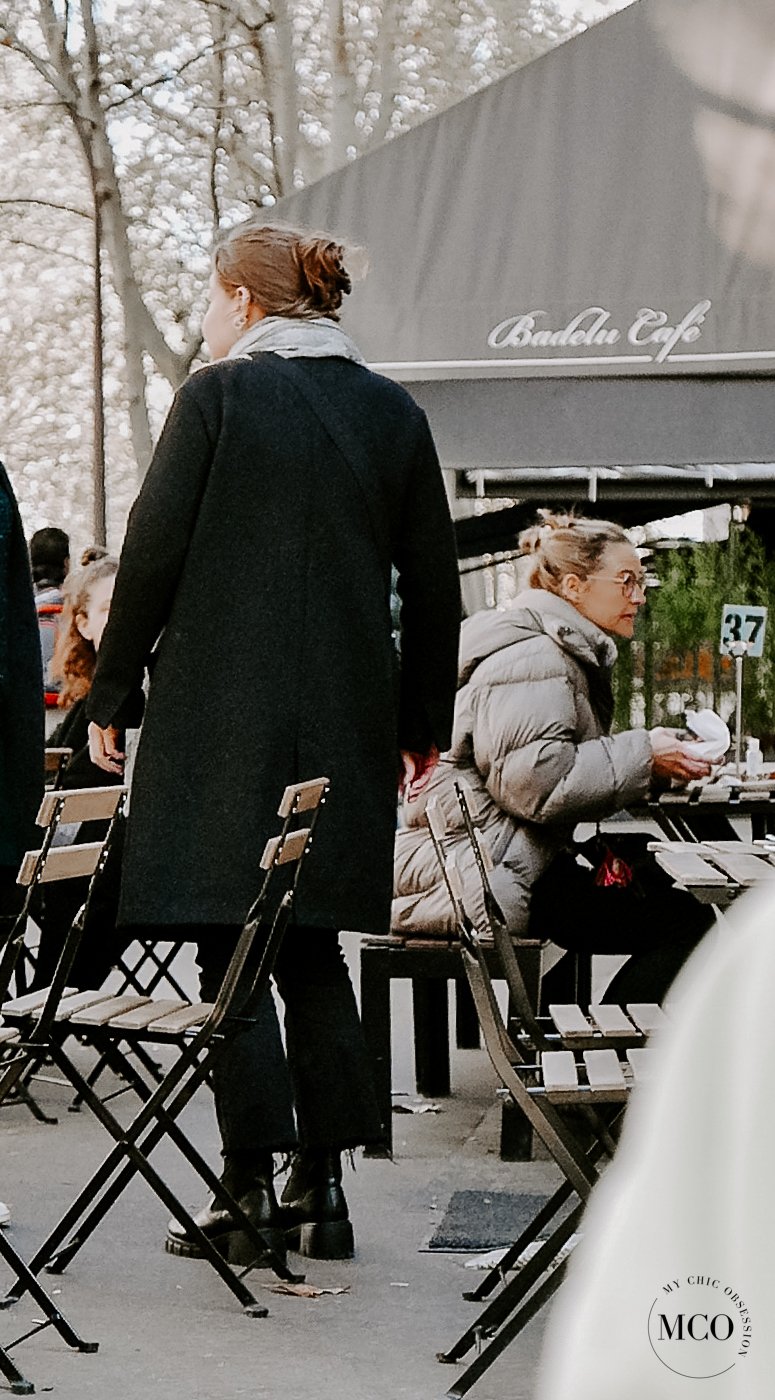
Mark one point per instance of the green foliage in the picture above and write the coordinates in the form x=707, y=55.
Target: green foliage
x=677, y=643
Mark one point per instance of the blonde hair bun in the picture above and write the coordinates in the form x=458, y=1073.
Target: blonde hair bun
x=565, y=543
x=530, y=539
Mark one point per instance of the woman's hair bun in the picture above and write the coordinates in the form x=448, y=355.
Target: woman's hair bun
x=531, y=539
x=567, y=544
x=321, y=262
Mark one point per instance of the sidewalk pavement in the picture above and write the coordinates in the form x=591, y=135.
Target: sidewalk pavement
x=168, y=1327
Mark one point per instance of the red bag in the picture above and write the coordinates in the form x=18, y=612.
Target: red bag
x=613, y=871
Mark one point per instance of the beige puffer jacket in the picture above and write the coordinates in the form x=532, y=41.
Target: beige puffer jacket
x=527, y=740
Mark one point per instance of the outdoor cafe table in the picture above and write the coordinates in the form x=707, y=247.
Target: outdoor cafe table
x=702, y=812
x=709, y=813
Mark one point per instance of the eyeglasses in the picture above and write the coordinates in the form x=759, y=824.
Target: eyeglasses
x=629, y=582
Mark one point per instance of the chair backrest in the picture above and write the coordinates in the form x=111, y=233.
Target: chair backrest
x=493, y=1027
x=79, y=804
x=520, y=1003
x=51, y=862
x=60, y=863
x=289, y=848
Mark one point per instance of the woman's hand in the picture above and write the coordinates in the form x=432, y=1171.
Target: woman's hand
x=104, y=750
x=673, y=757
x=415, y=772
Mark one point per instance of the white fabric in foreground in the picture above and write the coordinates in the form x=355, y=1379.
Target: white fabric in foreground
x=713, y=736
x=690, y=1191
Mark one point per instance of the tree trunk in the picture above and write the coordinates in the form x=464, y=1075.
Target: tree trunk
x=140, y=327
x=342, y=104
x=385, y=76
x=274, y=46
x=99, y=495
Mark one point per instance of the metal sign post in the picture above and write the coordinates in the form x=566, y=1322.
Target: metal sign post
x=742, y=634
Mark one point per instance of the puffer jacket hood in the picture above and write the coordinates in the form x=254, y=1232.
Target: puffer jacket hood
x=533, y=612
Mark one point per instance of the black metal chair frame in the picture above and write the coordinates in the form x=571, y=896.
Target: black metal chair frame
x=515, y=1053
x=162, y=1104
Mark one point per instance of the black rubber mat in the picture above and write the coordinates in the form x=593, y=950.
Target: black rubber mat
x=481, y=1220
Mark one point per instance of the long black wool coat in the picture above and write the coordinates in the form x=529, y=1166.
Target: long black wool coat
x=21, y=688
x=258, y=555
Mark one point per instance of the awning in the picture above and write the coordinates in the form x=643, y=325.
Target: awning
x=577, y=264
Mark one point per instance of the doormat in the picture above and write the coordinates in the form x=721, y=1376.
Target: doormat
x=475, y=1221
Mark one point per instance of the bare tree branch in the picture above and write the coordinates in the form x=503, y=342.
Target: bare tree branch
x=170, y=77
x=51, y=204
x=58, y=252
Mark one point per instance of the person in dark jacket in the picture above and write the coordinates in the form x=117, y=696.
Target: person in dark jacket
x=50, y=560
x=21, y=703
x=286, y=482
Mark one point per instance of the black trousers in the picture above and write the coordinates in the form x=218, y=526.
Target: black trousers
x=658, y=925
x=325, y=1076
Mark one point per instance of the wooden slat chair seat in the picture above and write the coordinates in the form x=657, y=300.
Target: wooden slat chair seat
x=184, y=1018
x=148, y=1017
x=199, y=1033
x=31, y=1003
x=603, y=1079
x=605, y=1025
x=101, y=1013
x=145, y=1015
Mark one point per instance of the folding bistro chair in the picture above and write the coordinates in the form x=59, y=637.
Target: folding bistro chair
x=48, y=863
x=544, y=1078
x=199, y=1033
x=55, y=762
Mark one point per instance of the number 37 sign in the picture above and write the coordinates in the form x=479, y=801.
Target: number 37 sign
x=743, y=623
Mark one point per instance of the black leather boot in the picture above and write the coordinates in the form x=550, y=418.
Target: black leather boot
x=250, y=1179
x=313, y=1207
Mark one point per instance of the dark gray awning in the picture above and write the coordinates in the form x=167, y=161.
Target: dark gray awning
x=598, y=422
x=565, y=265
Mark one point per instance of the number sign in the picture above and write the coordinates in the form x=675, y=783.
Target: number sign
x=741, y=622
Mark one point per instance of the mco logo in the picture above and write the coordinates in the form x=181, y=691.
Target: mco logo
x=699, y=1326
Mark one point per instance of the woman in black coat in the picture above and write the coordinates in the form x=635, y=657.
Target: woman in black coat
x=21, y=702
x=286, y=483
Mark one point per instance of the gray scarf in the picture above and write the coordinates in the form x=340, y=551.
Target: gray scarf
x=291, y=336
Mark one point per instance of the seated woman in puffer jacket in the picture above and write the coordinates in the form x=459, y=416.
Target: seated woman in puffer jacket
x=531, y=739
